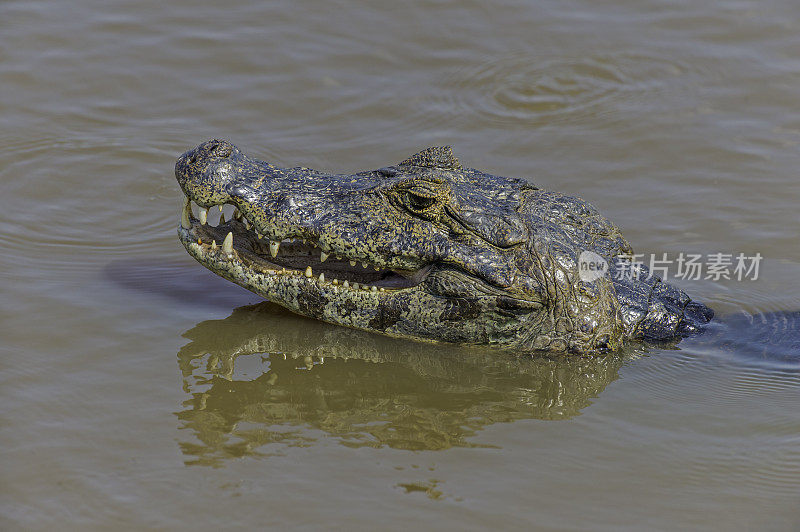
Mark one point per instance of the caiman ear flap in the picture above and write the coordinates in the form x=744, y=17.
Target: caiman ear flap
x=434, y=157
x=503, y=232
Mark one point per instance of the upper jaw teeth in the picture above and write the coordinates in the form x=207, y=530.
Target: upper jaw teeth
x=185, y=212
x=274, y=246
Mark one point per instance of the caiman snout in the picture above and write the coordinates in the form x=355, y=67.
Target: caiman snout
x=206, y=173
x=213, y=148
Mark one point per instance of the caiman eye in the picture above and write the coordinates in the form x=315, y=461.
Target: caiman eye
x=419, y=203
x=424, y=198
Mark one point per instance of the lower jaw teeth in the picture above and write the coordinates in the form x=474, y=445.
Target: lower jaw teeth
x=227, y=248
x=227, y=244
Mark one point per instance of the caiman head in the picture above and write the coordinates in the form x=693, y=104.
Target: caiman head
x=424, y=249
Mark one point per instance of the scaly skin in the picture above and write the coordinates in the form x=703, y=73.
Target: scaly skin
x=442, y=253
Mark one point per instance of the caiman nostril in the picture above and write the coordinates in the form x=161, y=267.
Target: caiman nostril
x=219, y=148
x=224, y=150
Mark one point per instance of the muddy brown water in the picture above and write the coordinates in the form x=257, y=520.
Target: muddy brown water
x=139, y=391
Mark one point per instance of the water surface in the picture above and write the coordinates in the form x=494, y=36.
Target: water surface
x=140, y=391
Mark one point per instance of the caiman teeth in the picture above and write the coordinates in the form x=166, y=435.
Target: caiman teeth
x=227, y=244
x=211, y=243
x=185, y=212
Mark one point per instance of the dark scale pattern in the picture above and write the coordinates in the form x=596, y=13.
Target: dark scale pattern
x=493, y=260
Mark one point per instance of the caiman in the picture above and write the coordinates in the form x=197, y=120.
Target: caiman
x=427, y=249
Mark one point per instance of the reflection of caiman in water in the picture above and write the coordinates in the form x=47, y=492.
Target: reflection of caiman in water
x=260, y=377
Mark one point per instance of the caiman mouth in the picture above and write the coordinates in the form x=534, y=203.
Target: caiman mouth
x=292, y=258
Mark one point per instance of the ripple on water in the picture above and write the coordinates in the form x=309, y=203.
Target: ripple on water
x=55, y=213
x=521, y=88
x=724, y=411
x=758, y=355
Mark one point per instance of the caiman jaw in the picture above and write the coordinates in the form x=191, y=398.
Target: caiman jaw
x=236, y=250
